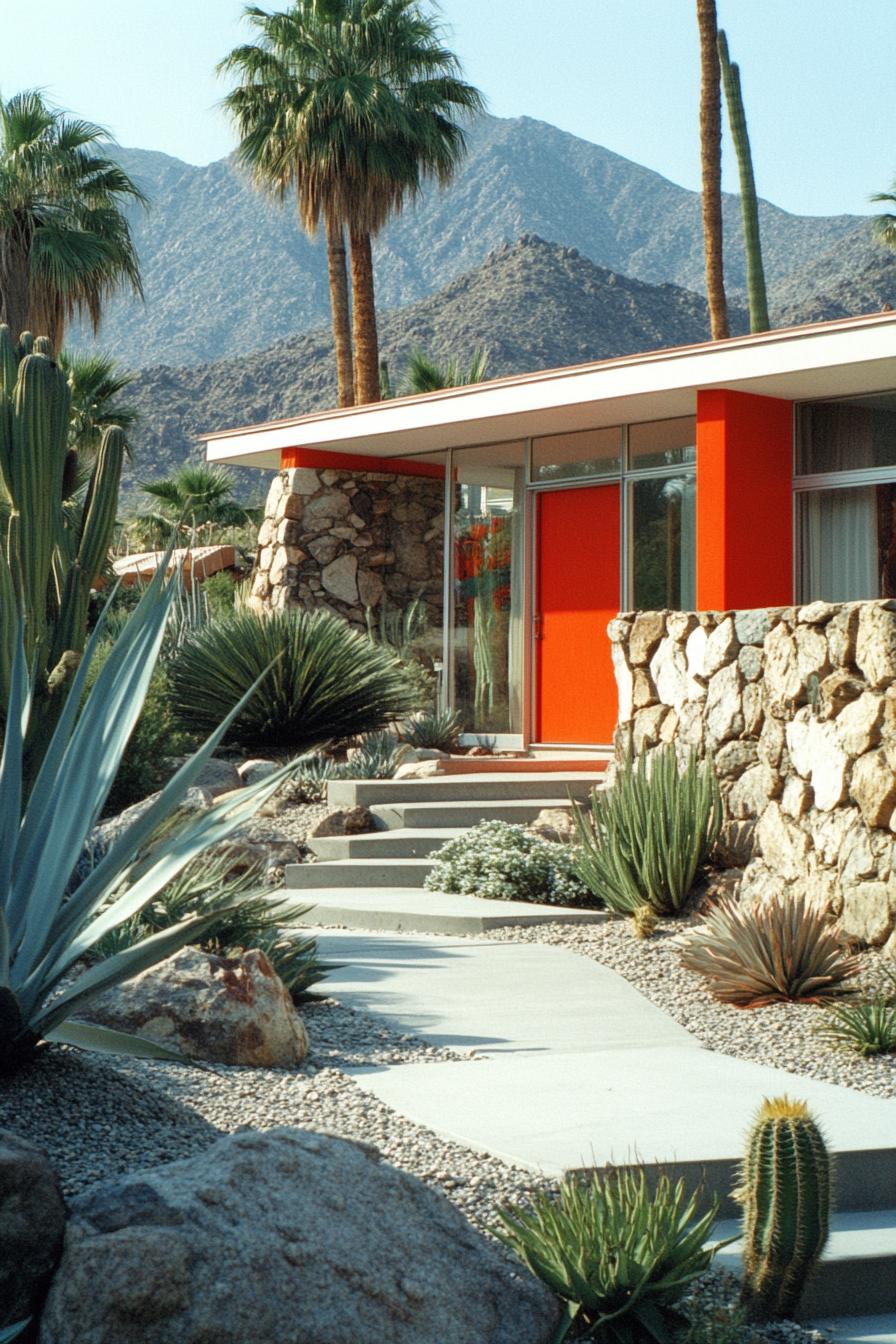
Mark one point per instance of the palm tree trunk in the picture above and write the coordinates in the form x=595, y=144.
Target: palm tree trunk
x=711, y=166
x=14, y=286
x=367, y=355
x=339, y=306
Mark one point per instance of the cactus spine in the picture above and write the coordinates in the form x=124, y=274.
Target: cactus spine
x=749, y=202
x=785, y=1191
x=49, y=554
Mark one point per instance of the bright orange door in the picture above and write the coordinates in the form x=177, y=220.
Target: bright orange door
x=577, y=595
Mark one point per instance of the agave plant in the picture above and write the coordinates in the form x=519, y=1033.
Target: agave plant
x=47, y=931
x=250, y=916
x=644, y=838
x=618, y=1254
x=377, y=756
x=435, y=728
x=326, y=680
x=867, y=1026
x=783, y=950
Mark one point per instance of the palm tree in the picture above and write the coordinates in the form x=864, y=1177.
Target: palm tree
x=65, y=244
x=711, y=166
x=194, y=496
x=885, y=225
x=96, y=385
x=423, y=374
x=353, y=104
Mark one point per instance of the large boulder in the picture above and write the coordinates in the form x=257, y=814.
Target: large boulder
x=284, y=1237
x=356, y=820
x=228, y=1010
x=554, y=824
x=32, y=1223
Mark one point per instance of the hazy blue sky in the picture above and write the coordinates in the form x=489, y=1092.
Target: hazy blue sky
x=817, y=78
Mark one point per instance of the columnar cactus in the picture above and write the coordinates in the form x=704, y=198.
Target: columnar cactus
x=749, y=204
x=785, y=1190
x=52, y=549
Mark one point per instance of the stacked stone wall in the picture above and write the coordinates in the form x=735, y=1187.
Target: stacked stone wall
x=346, y=541
x=797, y=706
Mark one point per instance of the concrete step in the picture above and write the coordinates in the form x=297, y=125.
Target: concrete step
x=400, y=843
x=357, y=874
x=860, y=1329
x=858, y=1264
x=409, y=910
x=496, y=787
x=462, y=815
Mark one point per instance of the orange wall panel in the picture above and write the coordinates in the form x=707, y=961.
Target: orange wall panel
x=577, y=594
x=744, y=500
x=322, y=461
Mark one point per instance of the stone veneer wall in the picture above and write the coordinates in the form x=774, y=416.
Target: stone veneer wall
x=798, y=707
x=347, y=540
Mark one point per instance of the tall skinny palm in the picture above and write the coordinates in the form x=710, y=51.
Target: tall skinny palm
x=711, y=165
x=353, y=104
x=65, y=243
x=423, y=374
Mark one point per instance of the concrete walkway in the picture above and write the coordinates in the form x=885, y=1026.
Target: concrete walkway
x=575, y=1067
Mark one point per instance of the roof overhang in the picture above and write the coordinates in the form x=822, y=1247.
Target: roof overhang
x=831, y=359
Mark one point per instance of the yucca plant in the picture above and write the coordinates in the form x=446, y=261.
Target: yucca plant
x=46, y=931
x=644, y=838
x=326, y=680
x=617, y=1254
x=439, y=729
x=867, y=1026
x=250, y=916
x=785, y=949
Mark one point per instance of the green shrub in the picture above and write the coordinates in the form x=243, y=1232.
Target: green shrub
x=617, y=1254
x=252, y=917
x=867, y=1026
x=784, y=949
x=377, y=756
x=312, y=775
x=438, y=729
x=156, y=737
x=219, y=592
x=644, y=838
x=326, y=680
x=504, y=863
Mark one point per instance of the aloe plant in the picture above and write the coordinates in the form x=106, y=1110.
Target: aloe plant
x=644, y=837
x=784, y=949
x=618, y=1255
x=47, y=931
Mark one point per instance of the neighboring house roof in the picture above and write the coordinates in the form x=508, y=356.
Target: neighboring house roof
x=825, y=359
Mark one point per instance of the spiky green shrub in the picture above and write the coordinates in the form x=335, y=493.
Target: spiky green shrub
x=377, y=756
x=617, y=1254
x=785, y=1190
x=867, y=1026
x=437, y=729
x=48, y=930
x=501, y=862
x=643, y=839
x=326, y=680
x=310, y=777
x=250, y=916
x=54, y=536
x=784, y=949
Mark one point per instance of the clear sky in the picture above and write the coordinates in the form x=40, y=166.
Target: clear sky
x=817, y=78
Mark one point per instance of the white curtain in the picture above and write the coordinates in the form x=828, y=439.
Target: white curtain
x=838, y=538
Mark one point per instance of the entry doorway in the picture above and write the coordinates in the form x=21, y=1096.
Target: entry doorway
x=577, y=594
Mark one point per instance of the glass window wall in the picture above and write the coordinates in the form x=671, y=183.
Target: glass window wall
x=587, y=452
x=662, y=548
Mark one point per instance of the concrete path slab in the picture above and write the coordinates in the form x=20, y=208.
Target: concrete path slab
x=673, y=1104
x=860, y=1329
x=412, y=910
x=497, y=998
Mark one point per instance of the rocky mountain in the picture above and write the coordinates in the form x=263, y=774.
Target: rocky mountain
x=856, y=275
x=531, y=305
x=228, y=272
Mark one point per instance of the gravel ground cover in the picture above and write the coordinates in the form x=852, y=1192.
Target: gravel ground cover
x=294, y=820
x=783, y=1035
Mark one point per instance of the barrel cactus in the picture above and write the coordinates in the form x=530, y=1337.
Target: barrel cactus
x=785, y=1191
x=54, y=543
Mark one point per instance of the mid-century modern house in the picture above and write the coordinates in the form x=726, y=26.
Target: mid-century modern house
x=522, y=514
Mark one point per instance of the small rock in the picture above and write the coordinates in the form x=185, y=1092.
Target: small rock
x=228, y=1010
x=356, y=820
x=256, y=769
x=554, y=824
x=419, y=770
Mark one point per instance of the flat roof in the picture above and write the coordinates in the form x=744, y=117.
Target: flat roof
x=847, y=357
